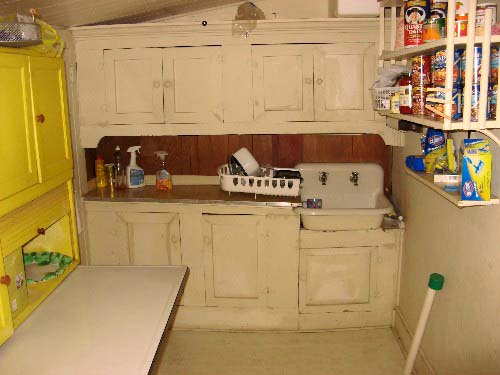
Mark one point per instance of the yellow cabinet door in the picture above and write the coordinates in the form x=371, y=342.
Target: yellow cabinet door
x=50, y=114
x=17, y=141
x=6, y=327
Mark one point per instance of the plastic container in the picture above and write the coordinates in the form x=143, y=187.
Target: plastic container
x=405, y=94
x=120, y=177
x=163, y=177
x=381, y=97
x=135, y=174
x=100, y=173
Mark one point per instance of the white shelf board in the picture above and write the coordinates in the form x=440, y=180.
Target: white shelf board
x=438, y=124
x=427, y=48
x=455, y=198
x=390, y=3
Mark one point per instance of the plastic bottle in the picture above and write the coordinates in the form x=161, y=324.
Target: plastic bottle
x=163, y=178
x=100, y=173
x=120, y=178
x=135, y=174
x=405, y=94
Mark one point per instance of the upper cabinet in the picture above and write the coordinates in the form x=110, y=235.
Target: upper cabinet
x=343, y=73
x=17, y=138
x=134, y=85
x=35, y=142
x=51, y=116
x=307, y=76
x=283, y=82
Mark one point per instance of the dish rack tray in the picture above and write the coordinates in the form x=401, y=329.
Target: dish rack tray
x=257, y=185
x=19, y=34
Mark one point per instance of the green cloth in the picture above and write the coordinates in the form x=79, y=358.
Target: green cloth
x=45, y=258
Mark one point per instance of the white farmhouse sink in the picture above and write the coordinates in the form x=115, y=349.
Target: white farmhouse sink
x=345, y=206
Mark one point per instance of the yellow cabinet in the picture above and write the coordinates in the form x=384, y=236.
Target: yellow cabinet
x=50, y=115
x=35, y=145
x=17, y=139
x=6, y=325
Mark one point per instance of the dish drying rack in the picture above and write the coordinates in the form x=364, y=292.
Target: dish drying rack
x=265, y=185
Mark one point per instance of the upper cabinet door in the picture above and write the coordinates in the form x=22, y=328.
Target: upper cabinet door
x=283, y=82
x=343, y=73
x=134, y=92
x=50, y=115
x=193, y=84
x=17, y=141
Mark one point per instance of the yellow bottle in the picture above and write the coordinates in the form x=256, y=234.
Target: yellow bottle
x=100, y=173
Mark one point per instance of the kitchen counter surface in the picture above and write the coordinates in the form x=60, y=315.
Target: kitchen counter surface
x=190, y=194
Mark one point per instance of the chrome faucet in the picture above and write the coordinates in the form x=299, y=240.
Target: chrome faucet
x=354, y=178
x=323, y=176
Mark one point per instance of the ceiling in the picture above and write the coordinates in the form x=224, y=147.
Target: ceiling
x=86, y=12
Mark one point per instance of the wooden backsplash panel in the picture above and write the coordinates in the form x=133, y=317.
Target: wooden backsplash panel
x=201, y=155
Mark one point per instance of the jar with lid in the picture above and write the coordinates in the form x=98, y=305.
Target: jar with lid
x=405, y=94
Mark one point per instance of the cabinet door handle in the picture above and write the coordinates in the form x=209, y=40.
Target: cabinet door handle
x=41, y=231
x=156, y=84
x=308, y=80
x=5, y=280
x=40, y=118
x=168, y=84
x=319, y=81
x=174, y=239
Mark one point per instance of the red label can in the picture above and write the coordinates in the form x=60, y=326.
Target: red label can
x=415, y=12
x=419, y=95
x=421, y=70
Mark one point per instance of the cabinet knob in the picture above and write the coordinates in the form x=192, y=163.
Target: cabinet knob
x=308, y=80
x=319, y=81
x=174, y=239
x=168, y=84
x=156, y=84
x=41, y=231
x=40, y=118
x=5, y=280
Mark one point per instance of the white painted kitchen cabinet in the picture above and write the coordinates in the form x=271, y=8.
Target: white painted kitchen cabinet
x=234, y=260
x=134, y=85
x=134, y=238
x=283, y=82
x=343, y=74
x=193, y=84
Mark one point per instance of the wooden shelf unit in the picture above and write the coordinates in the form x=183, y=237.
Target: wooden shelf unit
x=455, y=198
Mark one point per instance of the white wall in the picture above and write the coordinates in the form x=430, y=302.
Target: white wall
x=282, y=9
x=463, y=334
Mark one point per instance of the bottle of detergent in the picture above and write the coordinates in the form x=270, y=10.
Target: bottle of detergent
x=163, y=178
x=100, y=173
x=135, y=174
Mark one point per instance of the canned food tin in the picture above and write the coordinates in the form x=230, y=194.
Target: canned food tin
x=421, y=70
x=419, y=94
x=462, y=7
x=456, y=106
x=439, y=67
x=495, y=59
x=476, y=64
x=492, y=100
x=461, y=23
x=475, y=103
x=439, y=8
x=481, y=14
x=415, y=12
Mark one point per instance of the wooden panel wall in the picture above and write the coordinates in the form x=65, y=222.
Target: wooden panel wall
x=201, y=155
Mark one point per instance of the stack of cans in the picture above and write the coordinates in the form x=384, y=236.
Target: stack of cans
x=492, y=92
x=439, y=81
x=477, y=71
x=421, y=80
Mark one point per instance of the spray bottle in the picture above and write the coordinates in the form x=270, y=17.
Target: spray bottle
x=163, y=178
x=135, y=174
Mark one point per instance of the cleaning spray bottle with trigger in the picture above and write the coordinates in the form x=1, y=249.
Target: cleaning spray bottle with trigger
x=163, y=178
x=135, y=174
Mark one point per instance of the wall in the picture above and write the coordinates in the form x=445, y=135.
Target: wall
x=281, y=8
x=463, y=333
x=201, y=155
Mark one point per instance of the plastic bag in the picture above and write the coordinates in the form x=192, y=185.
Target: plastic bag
x=246, y=18
x=387, y=77
x=52, y=45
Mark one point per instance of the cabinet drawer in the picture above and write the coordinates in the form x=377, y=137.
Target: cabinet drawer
x=23, y=224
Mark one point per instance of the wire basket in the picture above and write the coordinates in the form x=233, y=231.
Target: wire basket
x=19, y=34
x=381, y=97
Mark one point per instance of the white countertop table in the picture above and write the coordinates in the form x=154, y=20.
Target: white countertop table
x=100, y=320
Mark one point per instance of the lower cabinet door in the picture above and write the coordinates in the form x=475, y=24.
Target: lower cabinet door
x=133, y=238
x=345, y=280
x=234, y=260
x=6, y=325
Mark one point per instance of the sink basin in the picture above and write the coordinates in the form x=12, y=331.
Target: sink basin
x=345, y=205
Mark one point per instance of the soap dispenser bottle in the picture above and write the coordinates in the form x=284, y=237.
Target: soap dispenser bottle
x=163, y=178
x=135, y=174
